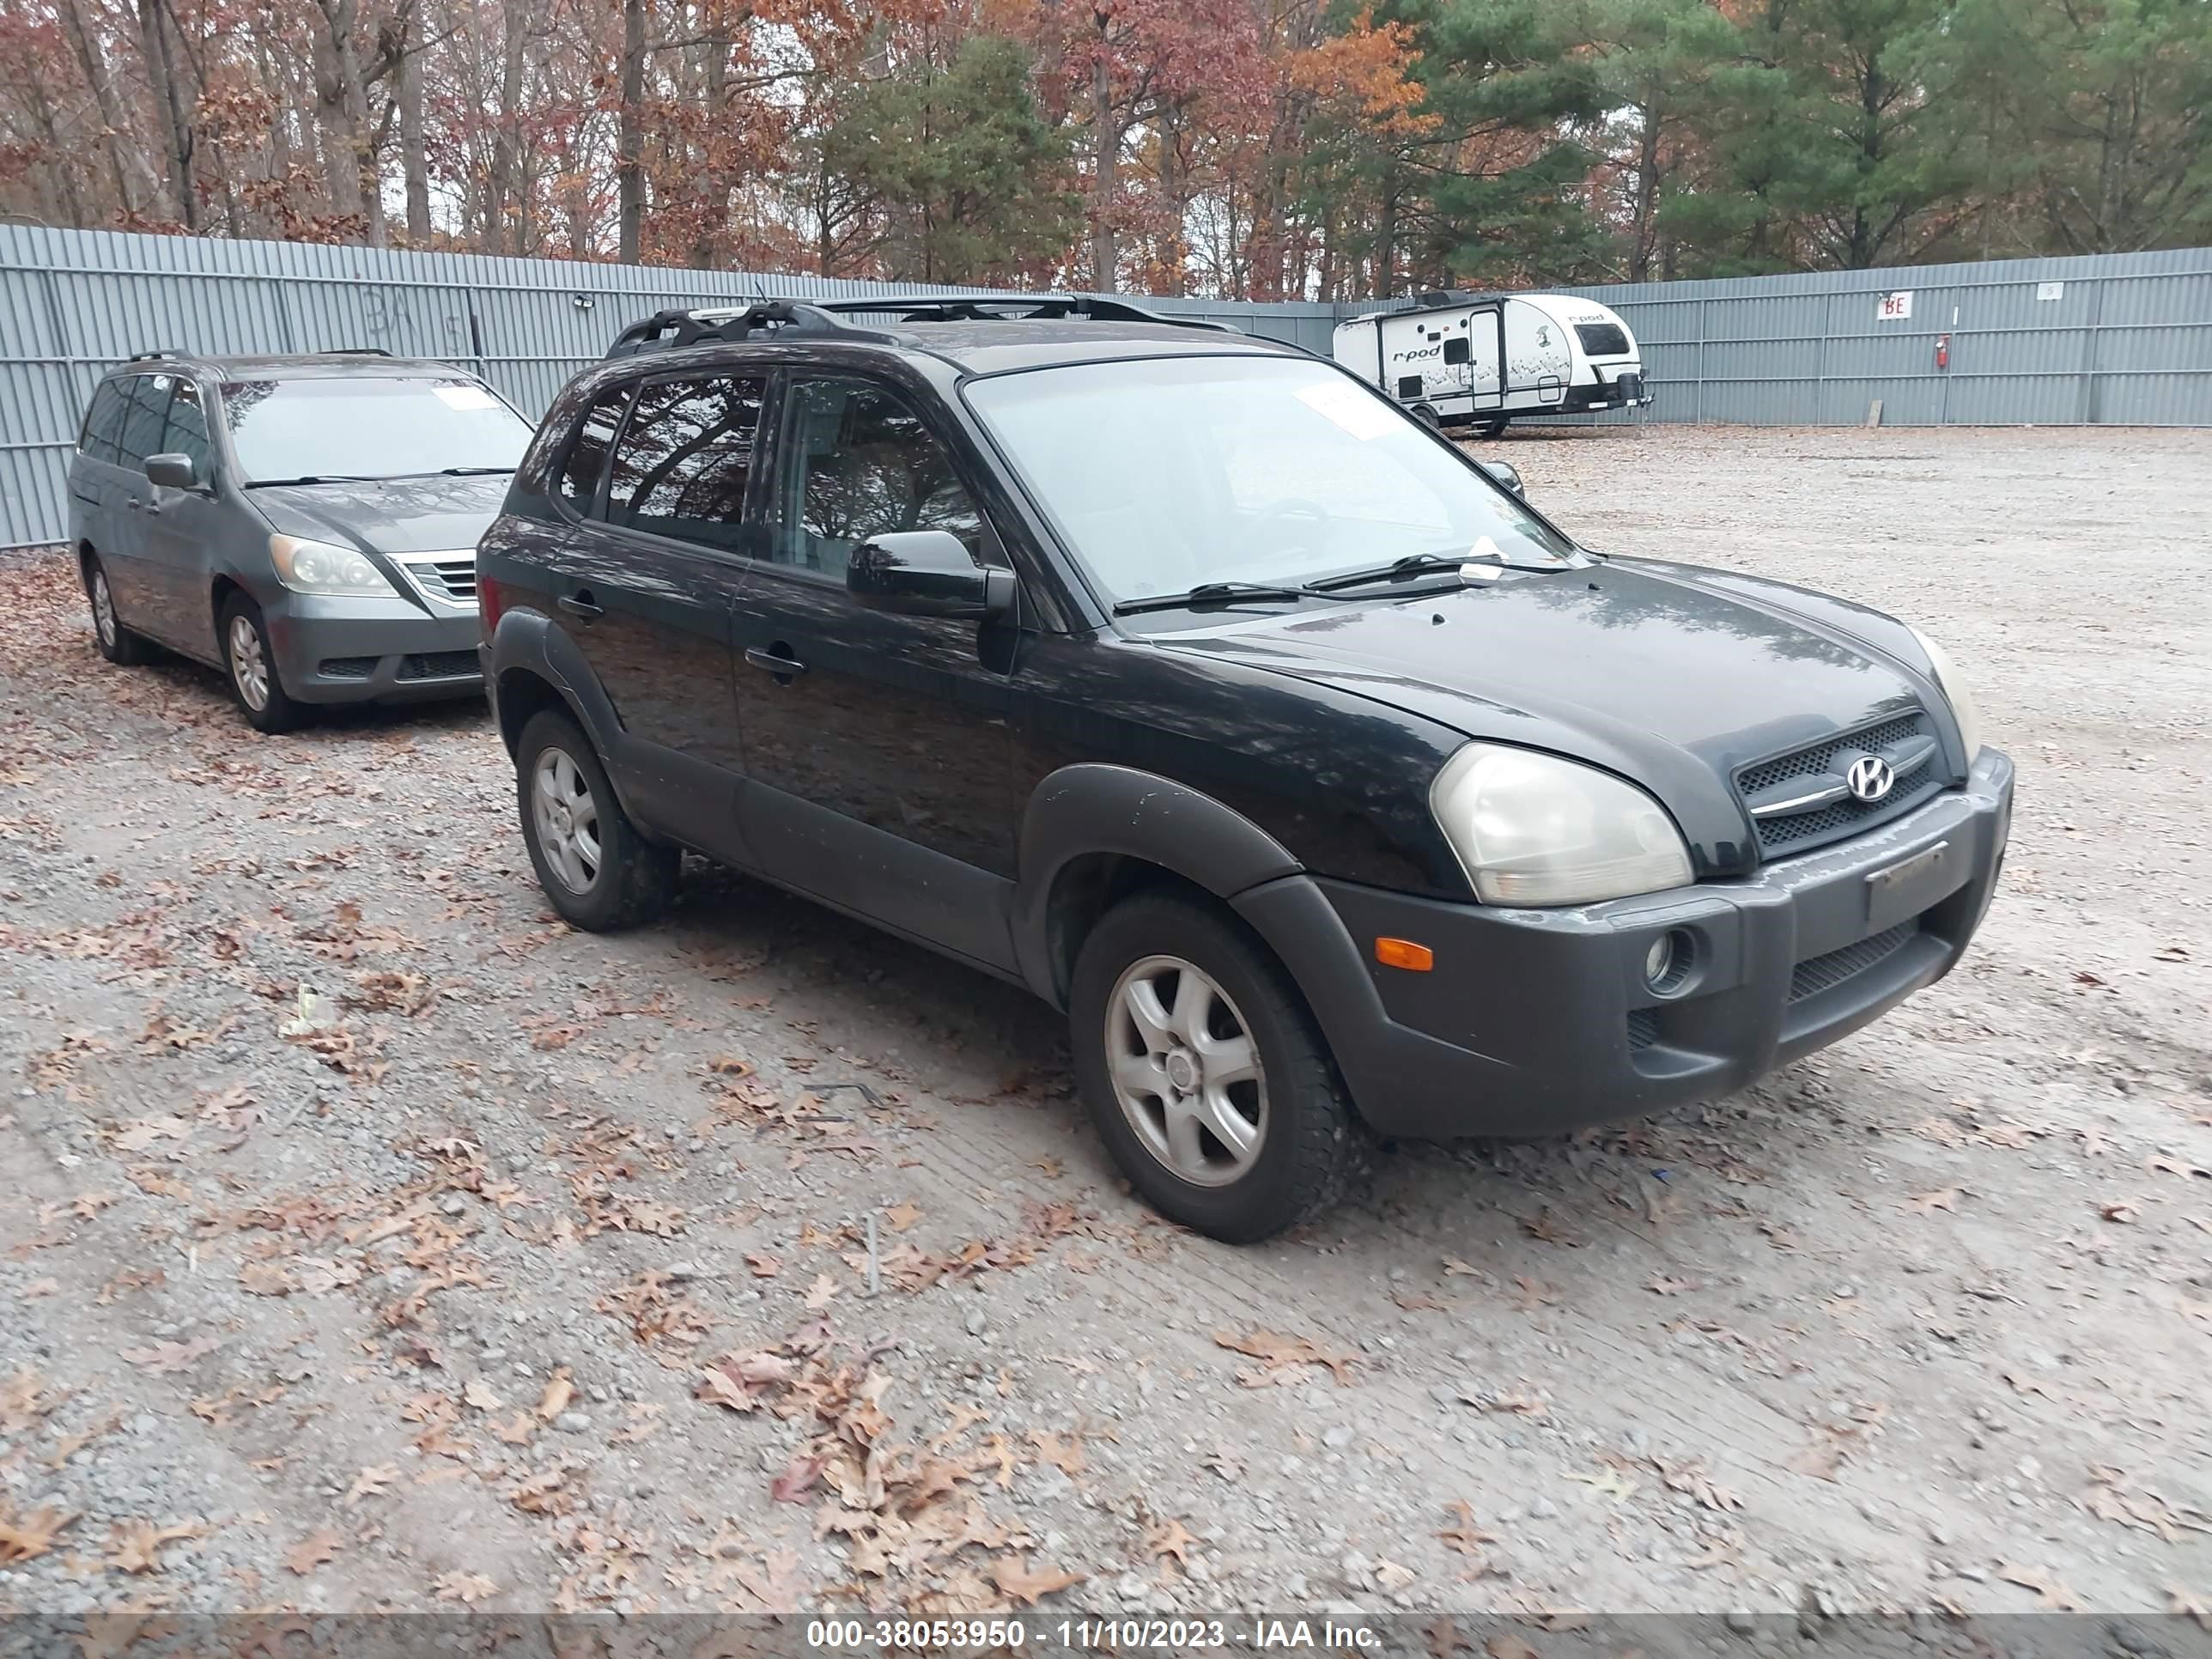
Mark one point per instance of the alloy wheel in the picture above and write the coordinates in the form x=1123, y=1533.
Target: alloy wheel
x=103, y=607
x=248, y=667
x=567, y=818
x=1186, y=1070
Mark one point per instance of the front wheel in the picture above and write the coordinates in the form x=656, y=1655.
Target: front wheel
x=600, y=874
x=1205, y=1072
x=250, y=667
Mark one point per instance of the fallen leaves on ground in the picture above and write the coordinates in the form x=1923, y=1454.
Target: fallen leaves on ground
x=136, y=1545
x=24, y=1398
x=1943, y=1198
x=1169, y=1539
x=1463, y=1535
x=24, y=1535
x=1280, y=1355
x=2187, y=1604
x=166, y=1357
x=468, y=1588
x=311, y=1552
x=1028, y=1585
x=2051, y=1591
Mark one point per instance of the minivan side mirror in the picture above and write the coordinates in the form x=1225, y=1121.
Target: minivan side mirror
x=173, y=471
x=926, y=572
x=1507, y=474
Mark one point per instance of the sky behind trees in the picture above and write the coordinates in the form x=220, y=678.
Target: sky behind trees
x=1252, y=149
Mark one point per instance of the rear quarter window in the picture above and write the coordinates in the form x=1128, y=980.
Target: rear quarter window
x=586, y=462
x=103, y=422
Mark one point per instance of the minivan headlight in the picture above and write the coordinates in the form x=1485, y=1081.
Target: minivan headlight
x=1954, y=691
x=307, y=567
x=1536, y=829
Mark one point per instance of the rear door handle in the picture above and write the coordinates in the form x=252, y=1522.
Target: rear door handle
x=580, y=604
x=781, y=667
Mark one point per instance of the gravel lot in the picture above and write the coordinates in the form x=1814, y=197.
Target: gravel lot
x=529, y=1271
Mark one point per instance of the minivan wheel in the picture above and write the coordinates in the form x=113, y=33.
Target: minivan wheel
x=1205, y=1072
x=599, y=872
x=117, y=643
x=250, y=667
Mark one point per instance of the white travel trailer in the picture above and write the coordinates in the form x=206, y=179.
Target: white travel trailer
x=1480, y=359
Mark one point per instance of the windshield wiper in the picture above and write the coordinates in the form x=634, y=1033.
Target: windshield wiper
x=1210, y=593
x=1422, y=564
x=312, y=478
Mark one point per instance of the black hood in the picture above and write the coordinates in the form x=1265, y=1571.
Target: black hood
x=1671, y=676
x=387, y=515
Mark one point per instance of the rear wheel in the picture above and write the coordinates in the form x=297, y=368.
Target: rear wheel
x=1205, y=1072
x=117, y=643
x=598, y=871
x=251, y=666
x=1427, y=416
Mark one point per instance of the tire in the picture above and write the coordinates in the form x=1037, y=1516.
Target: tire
x=250, y=667
x=598, y=871
x=1492, y=427
x=117, y=643
x=1428, y=417
x=1306, y=1138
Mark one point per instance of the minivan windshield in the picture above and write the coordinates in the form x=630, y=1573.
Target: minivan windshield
x=369, y=426
x=1162, y=475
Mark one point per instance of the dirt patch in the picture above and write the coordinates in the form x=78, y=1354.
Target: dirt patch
x=512, y=1267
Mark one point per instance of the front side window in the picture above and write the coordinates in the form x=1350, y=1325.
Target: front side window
x=686, y=458
x=103, y=422
x=369, y=426
x=186, y=431
x=856, y=462
x=145, y=408
x=586, y=459
x=1165, y=474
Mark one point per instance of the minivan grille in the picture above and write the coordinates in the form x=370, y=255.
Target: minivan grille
x=1824, y=973
x=448, y=576
x=1909, y=741
x=439, y=665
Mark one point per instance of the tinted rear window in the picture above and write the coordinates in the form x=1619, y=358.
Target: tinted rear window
x=685, y=458
x=102, y=421
x=1602, y=339
x=586, y=459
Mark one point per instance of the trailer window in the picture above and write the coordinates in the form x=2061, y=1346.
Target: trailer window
x=1602, y=339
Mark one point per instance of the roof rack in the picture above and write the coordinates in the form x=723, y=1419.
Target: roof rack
x=356, y=351
x=154, y=357
x=669, y=331
x=1038, y=307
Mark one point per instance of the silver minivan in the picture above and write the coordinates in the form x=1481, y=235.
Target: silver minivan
x=307, y=524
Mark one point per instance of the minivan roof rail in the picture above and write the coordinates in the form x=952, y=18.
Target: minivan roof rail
x=669, y=331
x=154, y=356
x=356, y=351
x=1031, y=307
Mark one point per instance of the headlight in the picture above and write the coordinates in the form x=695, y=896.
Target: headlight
x=1954, y=689
x=1532, y=829
x=307, y=567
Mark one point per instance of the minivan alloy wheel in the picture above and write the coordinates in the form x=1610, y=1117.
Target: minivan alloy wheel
x=1186, y=1070
x=247, y=665
x=567, y=815
x=103, y=608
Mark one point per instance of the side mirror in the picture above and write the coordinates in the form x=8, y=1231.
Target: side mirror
x=926, y=572
x=171, y=471
x=1507, y=474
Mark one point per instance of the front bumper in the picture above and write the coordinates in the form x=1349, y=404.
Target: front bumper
x=372, y=650
x=1534, y=1022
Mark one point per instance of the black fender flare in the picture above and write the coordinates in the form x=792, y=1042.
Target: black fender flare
x=530, y=641
x=1092, y=808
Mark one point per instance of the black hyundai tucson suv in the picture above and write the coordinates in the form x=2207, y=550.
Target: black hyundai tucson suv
x=1180, y=678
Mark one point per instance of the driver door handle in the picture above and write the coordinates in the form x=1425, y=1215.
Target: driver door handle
x=782, y=667
x=582, y=603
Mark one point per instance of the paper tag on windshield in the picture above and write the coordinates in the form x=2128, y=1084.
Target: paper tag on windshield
x=466, y=397
x=1361, y=415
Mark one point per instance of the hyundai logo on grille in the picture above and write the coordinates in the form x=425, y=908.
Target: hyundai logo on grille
x=1870, y=777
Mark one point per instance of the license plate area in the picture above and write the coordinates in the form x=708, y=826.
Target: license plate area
x=1910, y=886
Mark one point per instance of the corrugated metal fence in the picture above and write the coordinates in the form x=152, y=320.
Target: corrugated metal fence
x=2126, y=338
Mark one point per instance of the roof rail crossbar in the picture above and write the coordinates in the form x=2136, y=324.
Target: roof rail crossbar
x=1038, y=307
x=668, y=330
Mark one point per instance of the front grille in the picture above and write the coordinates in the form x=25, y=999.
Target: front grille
x=1817, y=974
x=346, y=668
x=1800, y=832
x=439, y=665
x=448, y=576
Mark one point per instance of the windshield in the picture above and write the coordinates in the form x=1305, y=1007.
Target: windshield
x=368, y=426
x=1164, y=475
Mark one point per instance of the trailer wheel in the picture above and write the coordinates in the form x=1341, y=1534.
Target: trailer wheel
x=1492, y=427
x=1428, y=416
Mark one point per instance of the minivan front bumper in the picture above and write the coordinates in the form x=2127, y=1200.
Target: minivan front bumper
x=1534, y=1022
x=331, y=649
